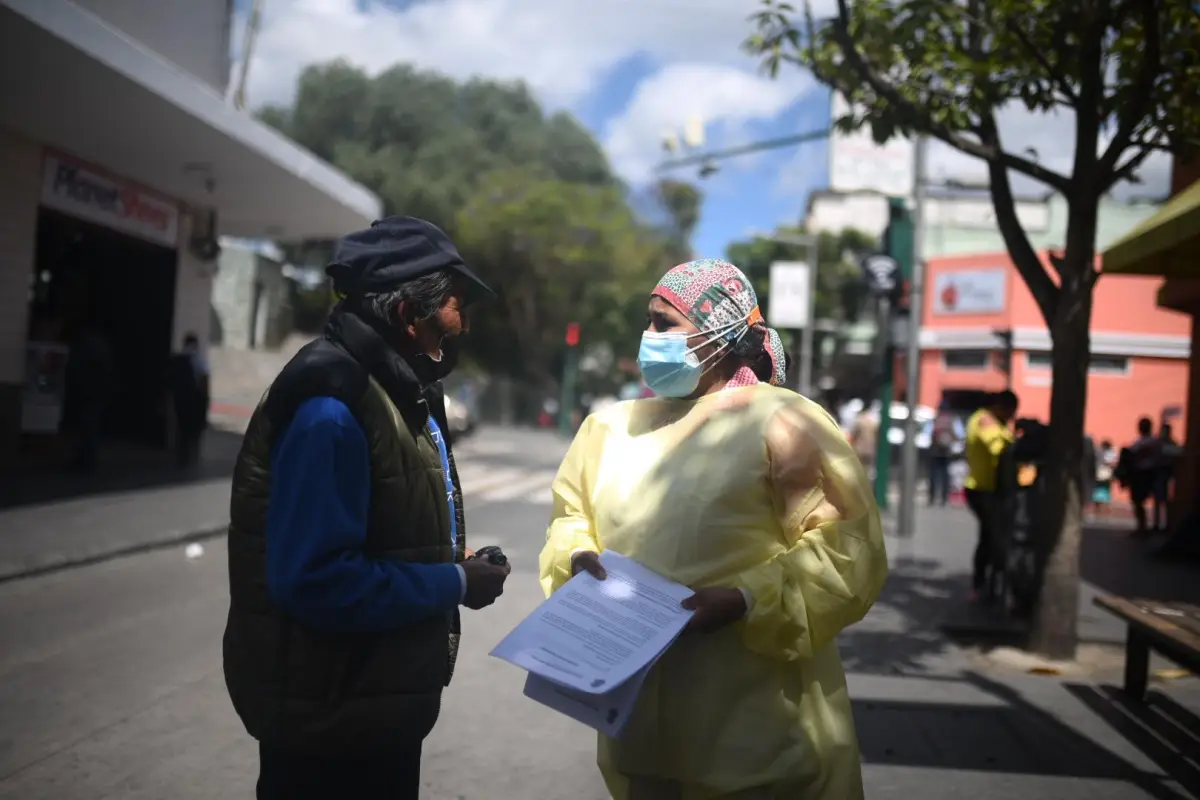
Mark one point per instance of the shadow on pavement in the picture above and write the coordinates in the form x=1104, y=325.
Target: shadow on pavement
x=901, y=635
x=1011, y=736
x=1120, y=564
x=1166, y=732
x=121, y=469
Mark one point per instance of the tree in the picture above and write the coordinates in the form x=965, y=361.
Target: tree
x=1127, y=70
x=837, y=271
x=581, y=256
x=530, y=199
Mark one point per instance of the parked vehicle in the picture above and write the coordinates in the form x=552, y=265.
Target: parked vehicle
x=459, y=415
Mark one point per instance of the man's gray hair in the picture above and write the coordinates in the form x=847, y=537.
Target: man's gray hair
x=425, y=295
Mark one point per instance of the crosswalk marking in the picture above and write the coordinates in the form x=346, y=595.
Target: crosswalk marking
x=479, y=480
x=541, y=497
x=504, y=484
x=525, y=486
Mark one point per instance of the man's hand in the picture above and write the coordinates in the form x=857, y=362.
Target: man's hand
x=589, y=562
x=485, y=582
x=715, y=608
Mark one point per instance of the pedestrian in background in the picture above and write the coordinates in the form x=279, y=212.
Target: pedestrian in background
x=1169, y=453
x=864, y=437
x=189, y=386
x=1139, y=468
x=988, y=434
x=347, y=548
x=750, y=494
x=947, y=436
x=90, y=377
x=1106, y=462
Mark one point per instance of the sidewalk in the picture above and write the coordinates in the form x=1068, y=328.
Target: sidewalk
x=50, y=520
x=137, y=501
x=941, y=720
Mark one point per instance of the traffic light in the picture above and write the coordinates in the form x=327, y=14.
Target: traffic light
x=1005, y=355
x=572, y=334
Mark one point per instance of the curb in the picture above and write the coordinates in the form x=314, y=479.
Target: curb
x=169, y=539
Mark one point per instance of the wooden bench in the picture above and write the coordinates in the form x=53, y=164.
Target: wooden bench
x=1171, y=629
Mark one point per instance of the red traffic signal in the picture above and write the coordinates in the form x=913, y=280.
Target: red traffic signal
x=572, y=334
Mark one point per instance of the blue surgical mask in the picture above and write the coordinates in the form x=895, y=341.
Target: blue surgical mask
x=671, y=368
x=668, y=366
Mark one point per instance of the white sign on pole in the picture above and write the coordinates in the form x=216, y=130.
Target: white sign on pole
x=790, y=301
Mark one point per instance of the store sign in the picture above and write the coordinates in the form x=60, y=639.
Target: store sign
x=980, y=291
x=72, y=188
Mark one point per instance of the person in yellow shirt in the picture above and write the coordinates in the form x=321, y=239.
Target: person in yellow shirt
x=988, y=433
x=749, y=494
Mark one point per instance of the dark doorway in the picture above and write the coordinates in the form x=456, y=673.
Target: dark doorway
x=125, y=288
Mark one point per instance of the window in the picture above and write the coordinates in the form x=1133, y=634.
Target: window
x=1108, y=365
x=1099, y=364
x=967, y=359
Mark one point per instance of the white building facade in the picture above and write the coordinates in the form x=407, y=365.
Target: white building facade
x=122, y=163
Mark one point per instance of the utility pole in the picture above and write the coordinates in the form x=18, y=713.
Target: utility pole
x=908, y=487
x=252, y=24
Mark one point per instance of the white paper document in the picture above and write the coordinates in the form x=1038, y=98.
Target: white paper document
x=589, y=647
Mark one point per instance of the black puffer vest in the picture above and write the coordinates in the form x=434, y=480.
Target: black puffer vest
x=332, y=694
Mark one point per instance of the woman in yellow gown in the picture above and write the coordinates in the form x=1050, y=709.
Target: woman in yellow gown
x=749, y=494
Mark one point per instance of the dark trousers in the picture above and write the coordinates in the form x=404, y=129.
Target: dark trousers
x=982, y=506
x=939, y=480
x=187, y=447
x=394, y=775
x=87, y=433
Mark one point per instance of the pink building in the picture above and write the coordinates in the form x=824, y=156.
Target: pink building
x=1139, y=364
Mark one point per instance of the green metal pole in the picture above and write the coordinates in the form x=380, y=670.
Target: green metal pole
x=566, y=407
x=883, y=450
x=898, y=243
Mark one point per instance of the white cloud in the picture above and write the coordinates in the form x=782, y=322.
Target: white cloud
x=562, y=48
x=1048, y=139
x=725, y=97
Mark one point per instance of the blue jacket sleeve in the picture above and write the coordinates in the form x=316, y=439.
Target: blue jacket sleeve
x=317, y=525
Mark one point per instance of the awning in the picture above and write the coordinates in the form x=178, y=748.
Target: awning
x=1166, y=244
x=71, y=81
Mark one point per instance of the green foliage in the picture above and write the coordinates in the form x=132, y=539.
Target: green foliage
x=1126, y=71
x=582, y=256
x=944, y=69
x=839, y=278
x=529, y=198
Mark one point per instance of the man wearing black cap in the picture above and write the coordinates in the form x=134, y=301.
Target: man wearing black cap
x=346, y=544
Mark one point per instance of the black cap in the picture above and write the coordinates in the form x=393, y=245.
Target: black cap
x=394, y=251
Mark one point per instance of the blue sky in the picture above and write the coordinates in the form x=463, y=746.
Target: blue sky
x=630, y=70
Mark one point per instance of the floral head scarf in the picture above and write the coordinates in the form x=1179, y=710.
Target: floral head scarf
x=718, y=298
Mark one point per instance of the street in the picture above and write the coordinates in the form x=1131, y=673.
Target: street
x=111, y=685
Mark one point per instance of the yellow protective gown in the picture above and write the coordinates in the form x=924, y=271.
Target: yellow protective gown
x=753, y=488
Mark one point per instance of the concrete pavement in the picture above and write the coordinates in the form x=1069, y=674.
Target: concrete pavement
x=110, y=685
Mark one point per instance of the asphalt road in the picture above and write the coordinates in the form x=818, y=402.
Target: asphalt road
x=111, y=687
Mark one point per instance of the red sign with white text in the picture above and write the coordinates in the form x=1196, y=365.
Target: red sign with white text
x=82, y=191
